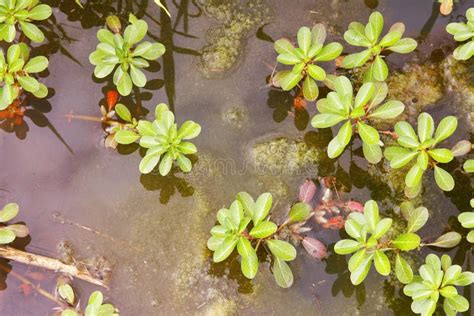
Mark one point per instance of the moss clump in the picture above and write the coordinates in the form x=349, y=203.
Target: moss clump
x=283, y=155
x=227, y=40
x=235, y=116
x=418, y=86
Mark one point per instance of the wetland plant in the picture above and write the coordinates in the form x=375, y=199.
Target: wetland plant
x=438, y=278
x=245, y=225
x=124, y=55
x=463, y=32
x=467, y=221
x=356, y=112
x=304, y=58
x=17, y=72
x=422, y=146
x=165, y=143
x=95, y=304
x=22, y=14
x=8, y=233
x=368, y=36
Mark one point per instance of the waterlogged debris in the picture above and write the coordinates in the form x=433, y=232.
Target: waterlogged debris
x=307, y=191
x=461, y=148
x=314, y=247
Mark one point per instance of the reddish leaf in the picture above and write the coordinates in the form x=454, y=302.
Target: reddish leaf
x=355, y=206
x=314, y=247
x=307, y=191
x=112, y=99
x=336, y=222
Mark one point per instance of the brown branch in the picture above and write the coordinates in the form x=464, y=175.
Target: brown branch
x=27, y=258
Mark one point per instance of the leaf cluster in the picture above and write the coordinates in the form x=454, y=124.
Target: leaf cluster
x=463, y=32
x=371, y=240
x=422, y=146
x=245, y=225
x=22, y=14
x=310, y=50
x=8, y=233
x=368, y=36
x=340, y=105
x=165, y=143
x=126, y=54
x=438, y=278
x=16, y=73
x=95, y=306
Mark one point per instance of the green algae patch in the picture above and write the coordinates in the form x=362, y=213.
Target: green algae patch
x=226, y=41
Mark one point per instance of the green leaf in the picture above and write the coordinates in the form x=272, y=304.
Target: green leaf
x=40, y=12
x=137, y=76
x=466, y=219
x=380, y=69
x=247, y=203
x=263, y=230
x=356, y=60
x=282, y=273
x=249, y=262
x=446, y=127
x=371, y=214
x=148, y=163
x=189, y=130
x=326, y=120
x=417, y=219
x=373, y=29
x=290, y=80
x=390, y=38
x=407, y=241
x=460, y=303
x=388, y=110
x=468, y=165
x=304, y=39
x=403, y=270
x=355, y=35
x=347, y=246
x=126, y=137
x=381, y=262
x=465, y=51
x=316, y=72
x=443, y=179
x=413, y=177
x=318, y=34
x=6, y=236
x=368, y=134
x=9, y=212
x=373, y=153
x=353, y=229
x=405, y=129
x=364, y=94
x=335, y=148
x=95, y=300
x=281, y=249
x=105, y=36
x=123, y=112
x=359, y=274
x=236, y=213
x=289, y=59
x=425, y=126
x=422, y=160
x=464, y=279
x=400, y=160
x=299, y=212
x=184, y=163
x=329, y=52
x=165, y=164
x=403, y=46
x=356, y=260
x=310, y=89
x=186, y=148
x=66, y=292
x=36, y=64
x=32, y=32
x=155, y=52
x=30, y=84
x=262, y=207
x=382, y=227
x=225, y=249
x=345, y=134
x=441, y=155
x=448, y=240
x=451, y=274
x=284, y=46
x=124, y=82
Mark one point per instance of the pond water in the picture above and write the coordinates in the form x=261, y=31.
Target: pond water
x=153, y=229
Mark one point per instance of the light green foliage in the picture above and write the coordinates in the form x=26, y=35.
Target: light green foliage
x=128, y=52
x=438, y=278
x=463, y=32
x=21, y=14
x=165, y=143
x=467, y=221
x=356, y=113
x=370, y=242
x=245, y=225
x=8, y=233
x=17, y=73
x=423, y=147
x=95, y=307
x=368, y=36
x=310, y=50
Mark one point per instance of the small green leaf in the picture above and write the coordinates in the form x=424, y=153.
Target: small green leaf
x=347, y=246
x=123, y=112
x=380, y=69
x=368, y=134
x=356, y=260
x=155, y=52
x=355, y=35
x=466, y=219
x=464, y=51
x=263, y=230
x=403, y=46
x=124, y=83
x=282, y=273
x=165, y=164
x=365, y=93
x=399, y=160
x=126, y=137
x=407, y=241
x=318, y=34
x=189, y=130
x=148, y=163
x=137, y=76
x=371, y=214
x=388, y=110
x=225, y=249
x=304, y=39
x=281, y=249
x=284, y=46
x=310, y=89
x=335, y=148
x=249, y=262
x=290, y=80
x=373, y=153
x=441, y=155
x=443, y=179
x=32, y=32
x=446, y=127
x=460, y=303
x=448, y=240
x=405, y=129
x=36, y=64
x=30, y=84
x=262, y=207
x=414, y=176
x=40, y=12
x=316, y=72
x=9, y=212
x=66, y=292
x=184, y=163
x=329, y=52
x=326, y=120
x=6, y=236
x=359, y=274
x=299, y=212
x=374, y=28
x=425, y=126
x=417, y=219
x=403, y=270
x=381, y=262
x=464, y=279
x=247, y=203
x=382, y=227
x=356, y=60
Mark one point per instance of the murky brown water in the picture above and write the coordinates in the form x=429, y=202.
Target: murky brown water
x=159, y=226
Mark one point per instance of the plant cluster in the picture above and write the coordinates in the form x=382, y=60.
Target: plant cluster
x=423, y=147
x=165, y=143
x=124, y=55
x=463, y=32
x=8, y=233
x=22, y=14
x=245, y=225
x=17, y=72
x=438, y=278
x=95, y=304
x=341, y=105
x=310, y=50
x=368, y=36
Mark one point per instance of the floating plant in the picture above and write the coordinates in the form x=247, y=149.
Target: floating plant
x=463, y=32
x=8, y=233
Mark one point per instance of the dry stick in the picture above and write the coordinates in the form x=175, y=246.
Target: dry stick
x=60, y=218
x=50, y=264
